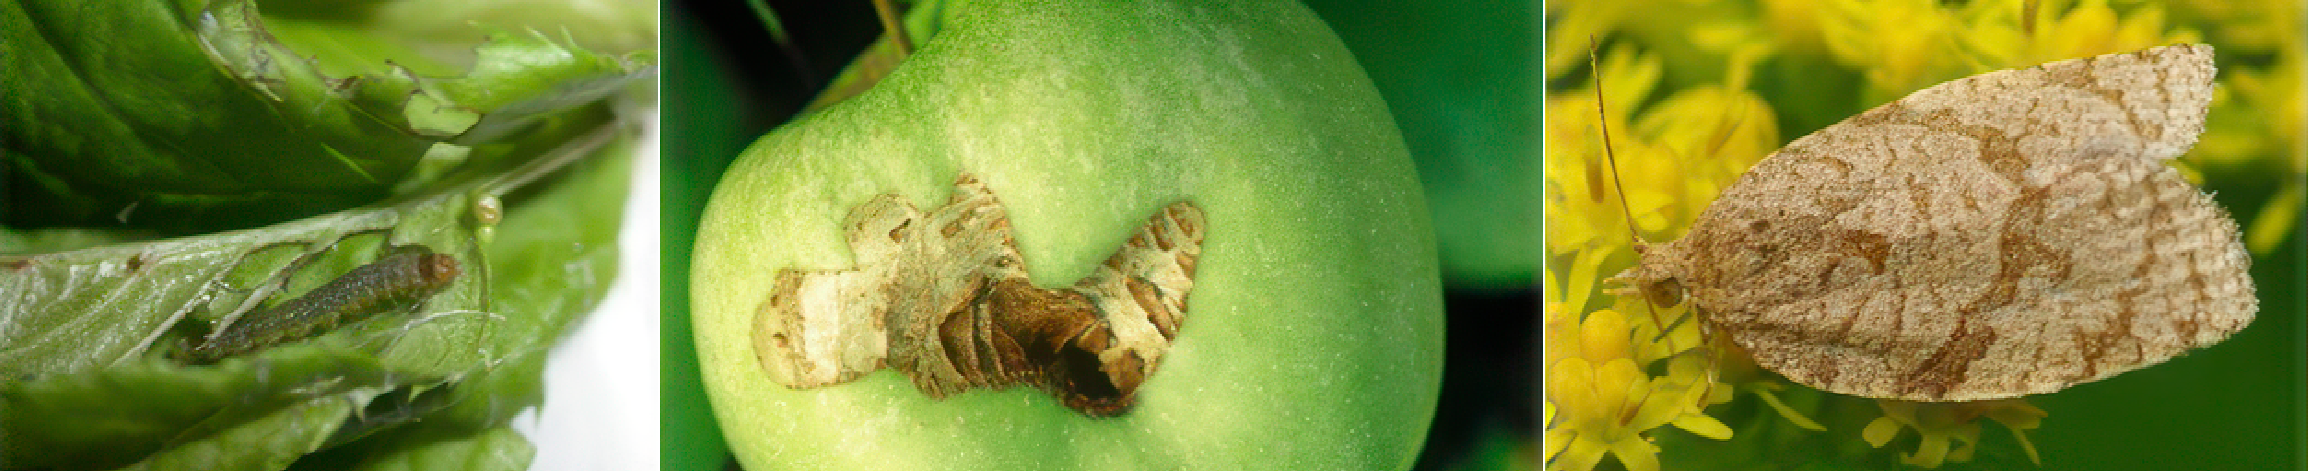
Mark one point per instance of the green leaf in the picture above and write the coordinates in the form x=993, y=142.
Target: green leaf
x=193, y=115
x=491, y=133
x=922, y=21
x=552, y=261
x=60, y=239
x=430, y=447
x=83, y=325
x=114, y=416
x=75, y=310
x=269, y=443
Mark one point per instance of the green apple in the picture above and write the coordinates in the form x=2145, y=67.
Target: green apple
x=1312, y=338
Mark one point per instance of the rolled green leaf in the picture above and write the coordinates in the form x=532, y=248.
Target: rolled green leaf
x=195, y=115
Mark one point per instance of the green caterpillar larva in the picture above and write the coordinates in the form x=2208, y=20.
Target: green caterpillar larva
x=366, y=290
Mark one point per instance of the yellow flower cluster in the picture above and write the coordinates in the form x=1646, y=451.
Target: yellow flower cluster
x=1597, y=387
x=1950, y=429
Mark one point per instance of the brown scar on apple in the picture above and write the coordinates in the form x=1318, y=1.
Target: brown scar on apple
x=943, y=297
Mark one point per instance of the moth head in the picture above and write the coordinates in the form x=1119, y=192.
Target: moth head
x=1658, y=278
x=1667, y=292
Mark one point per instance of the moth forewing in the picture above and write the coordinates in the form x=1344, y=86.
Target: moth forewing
x=2010, y=233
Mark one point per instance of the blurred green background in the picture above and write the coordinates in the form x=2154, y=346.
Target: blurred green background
x=1458, y=76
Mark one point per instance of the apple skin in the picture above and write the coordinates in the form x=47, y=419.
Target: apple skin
x=1313, y=337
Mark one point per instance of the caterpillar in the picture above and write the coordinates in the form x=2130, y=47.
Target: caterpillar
x=366, y=290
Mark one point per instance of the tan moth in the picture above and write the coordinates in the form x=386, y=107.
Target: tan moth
x=943, y=298
x=2010, y=233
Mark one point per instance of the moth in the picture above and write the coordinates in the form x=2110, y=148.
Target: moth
x=943, y=297
x=2010, y=233
x=380, y=286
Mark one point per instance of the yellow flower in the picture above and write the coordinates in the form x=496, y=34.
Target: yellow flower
x=2255, y=126
x=1906, y=45
x=1950, y=430
x=1581, y=200
x=2004, y=38
x=1700, y=140
x=1601, y=403
x=1899, y=45
x=1600, y=400
x=1796, y=25
x=1603, y=408
x=1674, y=160
x=2259, y=26
x=1572, y=24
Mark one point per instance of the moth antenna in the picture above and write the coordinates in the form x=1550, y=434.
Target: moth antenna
x=2028, y=18
x=1723, y=136
x=1604, y=120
